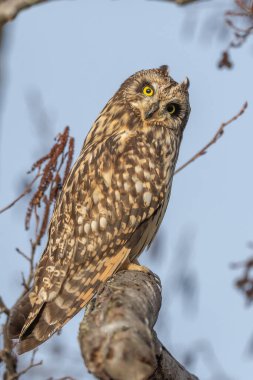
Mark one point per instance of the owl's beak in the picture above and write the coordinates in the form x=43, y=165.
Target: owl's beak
x=153, y=108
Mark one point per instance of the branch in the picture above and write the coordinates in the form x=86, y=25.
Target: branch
x=26, y=191
x=52, y=176
x=245, y=281
x=240, y=35
x=3, y=308
x=52, y=170
x=7, y=355
x=27, y=282
x=31, y=365
x=116, y=336
x=9, y=9
x=215, y=138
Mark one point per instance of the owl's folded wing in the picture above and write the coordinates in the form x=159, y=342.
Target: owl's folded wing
x=112, y=193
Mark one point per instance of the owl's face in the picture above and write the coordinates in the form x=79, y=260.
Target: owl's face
x=158, y=99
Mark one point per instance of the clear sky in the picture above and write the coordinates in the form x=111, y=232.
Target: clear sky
x=68, y=58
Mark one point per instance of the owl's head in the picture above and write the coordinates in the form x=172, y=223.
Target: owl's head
x=157, y=99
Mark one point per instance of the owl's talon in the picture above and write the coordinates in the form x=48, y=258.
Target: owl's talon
x=137, y=267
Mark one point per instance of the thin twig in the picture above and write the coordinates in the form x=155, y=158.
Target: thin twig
x=242, y=264
x=52, y=176
x=51, y=179
x=23, y=283
x=215, y=138
x=245, y=281
x=51, y=171
x=30, y=366
x=26, y=191
x=240, y=35
x=3, y=308
x=22, y=254
x=7, y=355
x=27, y=282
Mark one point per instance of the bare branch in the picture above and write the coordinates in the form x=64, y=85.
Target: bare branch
x=7, y=356
x=215, y=138
x=10, y=359
x=239, y=35
x=26, y=191
x=51, y=180
x=116, y=335
x=3, y=308
x=245, y=282
x=27, y=282
x=23, y=254
x=31, y=365
x=9, y=9
x=51, y=169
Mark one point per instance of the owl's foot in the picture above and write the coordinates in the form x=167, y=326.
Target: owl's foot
x=135, y=266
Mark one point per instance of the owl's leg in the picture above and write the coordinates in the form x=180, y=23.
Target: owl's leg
x=134, y=265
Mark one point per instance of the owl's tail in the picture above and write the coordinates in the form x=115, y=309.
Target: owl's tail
x=50, y=319
x=33, y=325
x=44, y=323
x=18, y=316
x=46, y=318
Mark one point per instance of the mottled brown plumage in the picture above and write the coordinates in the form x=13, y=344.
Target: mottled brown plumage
x=111, y=205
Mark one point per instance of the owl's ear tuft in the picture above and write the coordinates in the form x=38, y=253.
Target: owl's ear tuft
x=164, y=70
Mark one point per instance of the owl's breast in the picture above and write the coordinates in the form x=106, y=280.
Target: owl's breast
x=163, y=151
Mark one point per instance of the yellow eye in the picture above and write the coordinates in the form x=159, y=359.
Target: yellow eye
x=148, y=91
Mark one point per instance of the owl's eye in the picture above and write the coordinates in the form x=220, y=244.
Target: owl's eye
x=173, y=109
x=148, y=91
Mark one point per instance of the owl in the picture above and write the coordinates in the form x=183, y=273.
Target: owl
x=111, y=205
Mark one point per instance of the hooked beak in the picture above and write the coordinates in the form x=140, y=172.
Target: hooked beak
x=152, y=110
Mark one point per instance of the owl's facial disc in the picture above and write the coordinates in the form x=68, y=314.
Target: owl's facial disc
x=167, y=106
x=159, y=100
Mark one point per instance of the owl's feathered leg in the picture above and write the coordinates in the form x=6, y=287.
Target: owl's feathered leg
x=134, y=265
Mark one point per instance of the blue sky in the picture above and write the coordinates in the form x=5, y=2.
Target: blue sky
x=71, y=56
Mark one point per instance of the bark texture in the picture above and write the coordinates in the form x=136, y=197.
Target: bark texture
x=116, y=335
x=10, y=8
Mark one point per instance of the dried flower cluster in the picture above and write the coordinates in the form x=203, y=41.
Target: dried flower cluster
x=51, y=172
x=49, y=169
x=245, y=282
x=242, y=15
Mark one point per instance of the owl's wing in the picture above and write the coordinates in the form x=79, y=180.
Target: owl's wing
x=112, y=190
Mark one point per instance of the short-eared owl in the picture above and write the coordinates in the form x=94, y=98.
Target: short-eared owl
x=111, y=204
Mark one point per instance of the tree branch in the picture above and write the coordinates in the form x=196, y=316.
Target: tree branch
x=26, y=191
x=9, y=9
x=52, y=169
x=116, y=335
x=218, y=134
